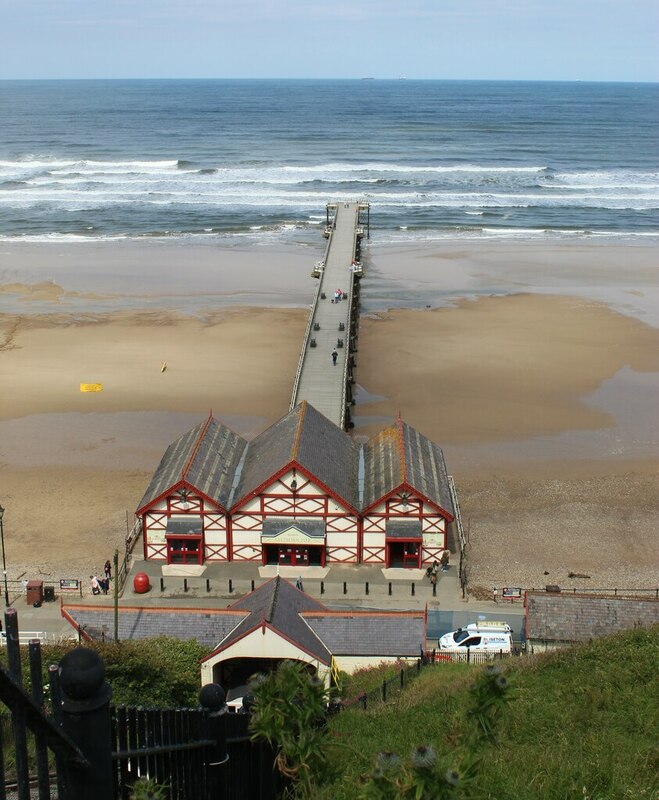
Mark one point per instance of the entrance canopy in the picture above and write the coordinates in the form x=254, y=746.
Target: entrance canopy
x=403, y=530
x=286, y=530
x=185, y=526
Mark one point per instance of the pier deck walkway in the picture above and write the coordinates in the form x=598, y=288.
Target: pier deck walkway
x=332, y=324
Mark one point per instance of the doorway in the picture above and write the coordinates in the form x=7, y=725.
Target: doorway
x=184, y=550
x=406, y=554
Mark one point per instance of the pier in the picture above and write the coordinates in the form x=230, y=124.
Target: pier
x=333, y=323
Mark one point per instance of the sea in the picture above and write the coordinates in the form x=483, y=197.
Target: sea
x=237, y=160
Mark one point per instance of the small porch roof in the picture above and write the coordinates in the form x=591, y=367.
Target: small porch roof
x=185, y=526
x=299, y=529
x=403, y=529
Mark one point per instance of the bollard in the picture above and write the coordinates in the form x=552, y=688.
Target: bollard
x=345, y=588
x=389, y=588
x=366, y=587
x=85, y=718
x=252, y=585
x=322, y=587
x=162, y=584
x=384, y=691
x=434, y=590
x=208, y=584
x=230, y=586
x=185, y=584
x=413, y=589
x=212, y=698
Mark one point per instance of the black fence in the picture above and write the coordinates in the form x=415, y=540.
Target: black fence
x=507, y=594
x=74, y=744
x=390, y=688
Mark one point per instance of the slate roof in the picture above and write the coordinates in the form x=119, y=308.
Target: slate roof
x=305, y=437
x=206, y=457
x=401, y=455
x=280, y=604
x=579, y=618
x=370, y=634
x=207, y=626
x=297, y=616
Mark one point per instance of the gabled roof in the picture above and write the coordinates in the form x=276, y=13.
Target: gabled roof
x=278, y=604
x=207, y=626
x=294, y=615
x=378, y=633
x=205, y=457
x=306, y=438
x=400, y=455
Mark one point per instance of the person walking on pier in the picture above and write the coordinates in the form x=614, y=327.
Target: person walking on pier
x=335, y=355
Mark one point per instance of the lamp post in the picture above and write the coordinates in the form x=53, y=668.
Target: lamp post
x=4, y=560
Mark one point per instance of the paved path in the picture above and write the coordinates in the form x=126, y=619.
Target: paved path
x=320, y=382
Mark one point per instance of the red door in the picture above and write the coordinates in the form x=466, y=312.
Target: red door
x=184, y=550
x=293, y=556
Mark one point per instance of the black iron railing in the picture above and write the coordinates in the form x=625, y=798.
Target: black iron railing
x=76, y=745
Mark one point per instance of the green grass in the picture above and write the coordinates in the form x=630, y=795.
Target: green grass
x=584, y=723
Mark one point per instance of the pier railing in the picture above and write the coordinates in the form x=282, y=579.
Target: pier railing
x=347, y=366
x=312, y=313
x=461, y=535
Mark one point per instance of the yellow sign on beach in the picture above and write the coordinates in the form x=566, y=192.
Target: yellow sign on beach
x=91, y=387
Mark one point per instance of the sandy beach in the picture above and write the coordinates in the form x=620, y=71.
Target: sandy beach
x=535, y=367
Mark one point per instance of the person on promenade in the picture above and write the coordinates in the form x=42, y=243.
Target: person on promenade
x=108, y=570
x=335, y=355
x=96, y=587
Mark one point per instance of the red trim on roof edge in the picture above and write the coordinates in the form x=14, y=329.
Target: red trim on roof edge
x=196, y=447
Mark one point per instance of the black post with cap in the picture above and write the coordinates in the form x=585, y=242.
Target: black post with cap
x=85, y=718
x=213, y=699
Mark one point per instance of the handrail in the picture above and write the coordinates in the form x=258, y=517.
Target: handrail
x=312, y=314
x=305, y=342
x=346, y=345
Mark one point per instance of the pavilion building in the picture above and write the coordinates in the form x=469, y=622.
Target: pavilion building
x=302, y=493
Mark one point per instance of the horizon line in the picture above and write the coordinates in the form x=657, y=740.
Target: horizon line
x=367, y=78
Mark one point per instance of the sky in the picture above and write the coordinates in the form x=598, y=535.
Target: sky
x=589, y=40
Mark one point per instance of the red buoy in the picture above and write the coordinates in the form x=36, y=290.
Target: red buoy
x=141, y=583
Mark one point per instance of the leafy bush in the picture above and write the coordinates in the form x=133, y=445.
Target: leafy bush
x=161, y=672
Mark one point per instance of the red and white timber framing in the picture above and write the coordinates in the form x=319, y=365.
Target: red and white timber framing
x=292, y=493
x=349, y=537
x=404, y=504
x=183, y=501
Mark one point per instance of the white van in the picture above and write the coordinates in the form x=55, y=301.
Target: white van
x=488, y=636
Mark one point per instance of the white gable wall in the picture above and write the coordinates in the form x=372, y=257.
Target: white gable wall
x=259, y=644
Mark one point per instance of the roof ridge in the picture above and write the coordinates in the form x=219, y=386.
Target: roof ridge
x=401, y=447
x=197, y=445
x=273, y=602
x=298, y=433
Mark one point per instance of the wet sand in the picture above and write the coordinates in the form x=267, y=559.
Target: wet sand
x=537, y=371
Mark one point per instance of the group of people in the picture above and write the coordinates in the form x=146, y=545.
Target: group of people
x=338, y=295
x=433, y=569
x=102, y=584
